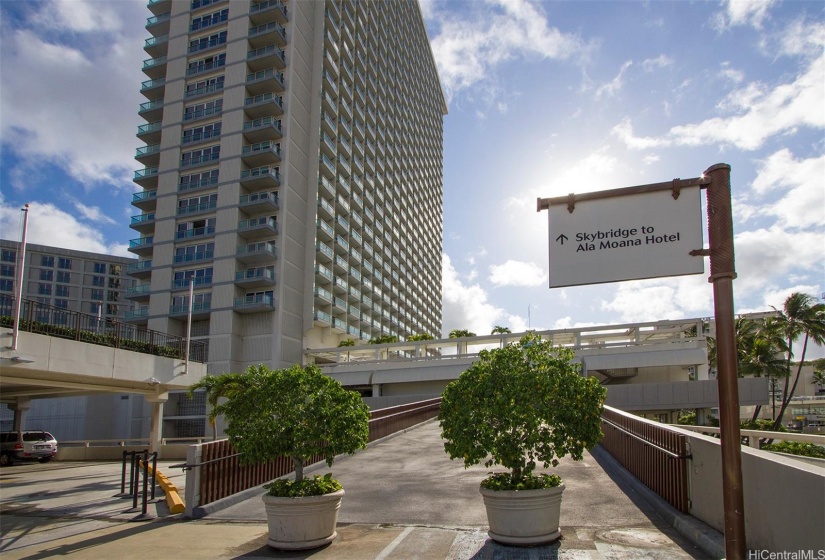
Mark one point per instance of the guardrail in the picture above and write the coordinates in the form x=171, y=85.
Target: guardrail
x=214, y=470
x=54, y=321
x=654, y=454
x=758, y=437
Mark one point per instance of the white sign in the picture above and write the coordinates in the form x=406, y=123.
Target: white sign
x=628, y=237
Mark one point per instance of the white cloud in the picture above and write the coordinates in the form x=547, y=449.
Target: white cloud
x=48, y=225
x=802, y=183
x=661, y=299
x=93, y=213
x=760, y=113
x=650, y=159
x=731, y=74
x=742, y=12
x=47, y=116
x=465, y=306
x=767, y=256
x=467, y=50
x=661, y=61
x=615, y=85
x=517, y=273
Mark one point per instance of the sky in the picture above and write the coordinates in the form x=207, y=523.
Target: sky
x=544, y=99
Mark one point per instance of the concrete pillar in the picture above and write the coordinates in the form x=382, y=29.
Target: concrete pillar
x=376, y=389
x=20, y=407
x=156, y=424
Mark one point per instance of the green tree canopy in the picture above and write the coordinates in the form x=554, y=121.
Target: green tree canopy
x=521, y=405
x=384, y=339
x=498, y=329
x=461, y=333
x=420, y=336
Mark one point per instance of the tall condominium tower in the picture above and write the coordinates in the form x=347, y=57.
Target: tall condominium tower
x=293, y=170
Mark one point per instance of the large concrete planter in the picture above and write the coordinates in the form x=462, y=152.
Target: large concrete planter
x=523, y=517
x=302, y=523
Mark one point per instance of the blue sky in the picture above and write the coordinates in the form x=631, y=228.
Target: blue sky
x=545, y=98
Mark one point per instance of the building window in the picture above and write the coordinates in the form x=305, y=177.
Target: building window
x=96, y=294
x=44, y=289
x=194, y=252
x=6, y=285
x=94, y=307
x=65, y=277
x=199, y=110
x=209, y=20
x=199, y=180
x=7, y=270
x=47, y=260
x=200, y=301
x=47, y=275
x=202, y=43
x=61, y=291
x=197, y=203
x=202, y=276
x=63, y=262
x=115, y=269
x=113, y=296
x=199, y=133
x=100, y=268
x=111, y=309
x=9, y=255
x=195, y=228
x=197, y=157
x=98, y=281
x=114, y=283
x=61, y=303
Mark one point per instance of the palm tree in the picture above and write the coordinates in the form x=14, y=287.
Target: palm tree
x=800, y=315
x=500, y=330
x=218, y=387
x=461, y=333
x=420, y=336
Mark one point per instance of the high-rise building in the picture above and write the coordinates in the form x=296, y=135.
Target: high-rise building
x=293, y=171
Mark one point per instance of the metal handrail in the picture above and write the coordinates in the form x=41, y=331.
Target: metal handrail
x=646, y=442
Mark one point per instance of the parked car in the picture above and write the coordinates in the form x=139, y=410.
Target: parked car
x=28, y=445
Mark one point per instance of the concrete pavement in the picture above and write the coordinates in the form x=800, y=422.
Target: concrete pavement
x=405, y=499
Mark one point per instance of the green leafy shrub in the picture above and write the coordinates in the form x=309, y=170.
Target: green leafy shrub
x=686, y=418
x=520, y=406
x=315, y=486
x=760, y=425
x=296, y=412
x=503, y=481
x=797, y=448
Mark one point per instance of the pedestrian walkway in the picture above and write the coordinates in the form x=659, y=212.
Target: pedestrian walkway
x=404, y=500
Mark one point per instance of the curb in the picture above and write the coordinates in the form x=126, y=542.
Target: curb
x=173, y=499
x=706, y=538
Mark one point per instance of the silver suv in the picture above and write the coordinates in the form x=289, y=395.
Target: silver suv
x=28, y=445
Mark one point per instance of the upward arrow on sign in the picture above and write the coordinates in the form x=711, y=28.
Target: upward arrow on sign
x=561, y=238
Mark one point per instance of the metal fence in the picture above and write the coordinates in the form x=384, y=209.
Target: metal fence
x=41, y=318
x=655, y=454
x=222, y=474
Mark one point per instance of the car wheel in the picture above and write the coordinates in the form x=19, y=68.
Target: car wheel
x=5, y=460
x=44, y=459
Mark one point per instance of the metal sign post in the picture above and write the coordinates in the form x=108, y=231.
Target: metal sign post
x=636, y=225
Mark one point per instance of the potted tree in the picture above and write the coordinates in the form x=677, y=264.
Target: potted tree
x=296, y=412
x=520, y=406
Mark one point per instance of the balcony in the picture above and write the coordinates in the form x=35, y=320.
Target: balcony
x=184, y=283
x=325, y=209
x=141, y=245
x=324, y=251
x=321, y=318
x=158, y=25
x=197, y=185
x=139, y=293
x=153, y=89
x=261, y=177
x=263, y=105
x=152, y=111
x=140, y=269
x=267, y=152
x=265, y=57
x=256, y=253
x=259, y=202
x=254, y=303
x=338, y=325
x=263, y=227
x=203, y=159
x=323, y=272
x=156, y=46
x=145, y=200
x=192, y=209
x=195, y=233
x=147, y=177
x=200, y=310
x=323, y=296
x=206, y=67
x=155, y=67
x=148, y=155
x=205, y=90
x=255, y=278
x=265, y=128
x=198, y=256
x=267, y=33
x=326, y=186
x=149, y=132
x=268, y=10
x=202, y=113
x=262, y=81
x=325, y=230
x=159, y=6
x=143, y=222
x=139, y=315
